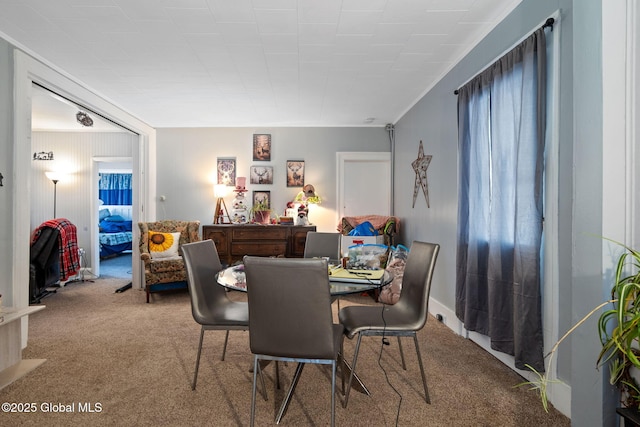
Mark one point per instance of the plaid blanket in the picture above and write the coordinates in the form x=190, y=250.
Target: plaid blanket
x=68, y=247
x=111, y=239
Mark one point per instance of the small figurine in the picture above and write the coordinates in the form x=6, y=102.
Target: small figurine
x=303, y=215
x=240, y=211
x=290, y=211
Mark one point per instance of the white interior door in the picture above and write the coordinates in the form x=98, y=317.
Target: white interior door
x=364, y=183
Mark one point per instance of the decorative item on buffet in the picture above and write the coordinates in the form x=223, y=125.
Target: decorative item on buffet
x=305, y=198
x=261, y=213
x=220, y=192
x=239, y=209
x=290, y=213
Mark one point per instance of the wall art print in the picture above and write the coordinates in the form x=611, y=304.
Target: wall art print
x=295, y=173
x=261, y=147
x=226, y=171
x=261, y=175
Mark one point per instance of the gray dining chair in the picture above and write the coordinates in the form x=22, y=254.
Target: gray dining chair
x=321, y=244
x=211, y=307
x=290, y=319
x=403, y=319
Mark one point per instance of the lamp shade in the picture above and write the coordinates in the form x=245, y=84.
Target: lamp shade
x=53, y=176
x=220, y=190
x=308, y=196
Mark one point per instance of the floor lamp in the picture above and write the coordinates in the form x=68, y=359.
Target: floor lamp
x=220, y=191
x=54, y=177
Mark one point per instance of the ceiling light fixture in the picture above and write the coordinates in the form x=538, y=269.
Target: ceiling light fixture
x=84, y=119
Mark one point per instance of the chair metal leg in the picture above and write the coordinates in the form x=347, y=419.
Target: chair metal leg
x=357, y=383
x=424, y=380
x=264, y=386
x=224, y=348
x=292, y=388
x=353, y=370
x=404, y=366
x=341, y=358
x=195, y=375
x=333, y=394
x=253, y=389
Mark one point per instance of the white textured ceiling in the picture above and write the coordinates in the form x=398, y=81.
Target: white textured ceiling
x=257, y=63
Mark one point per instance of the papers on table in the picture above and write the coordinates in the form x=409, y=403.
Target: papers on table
x=339, y=274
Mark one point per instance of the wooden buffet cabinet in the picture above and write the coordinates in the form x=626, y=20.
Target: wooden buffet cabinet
x=233, y=241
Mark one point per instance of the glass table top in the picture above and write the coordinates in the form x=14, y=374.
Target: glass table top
x=234, y=278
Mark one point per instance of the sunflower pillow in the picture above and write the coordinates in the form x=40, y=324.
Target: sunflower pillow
x=163, y=245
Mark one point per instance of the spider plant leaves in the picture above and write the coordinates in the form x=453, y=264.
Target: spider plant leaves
x=618, y=330
x=540, y=385
x=619, y=327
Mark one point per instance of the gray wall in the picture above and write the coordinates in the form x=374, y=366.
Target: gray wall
x=434, y=121
x=590, y=389
x=186, y=166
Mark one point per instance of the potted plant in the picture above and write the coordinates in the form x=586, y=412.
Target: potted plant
x=619, y=332
x=619, y=329
x=261, y=213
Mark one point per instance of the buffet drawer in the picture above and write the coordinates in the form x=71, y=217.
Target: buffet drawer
x=258, y=248
x=270, y=232
x=218, y=237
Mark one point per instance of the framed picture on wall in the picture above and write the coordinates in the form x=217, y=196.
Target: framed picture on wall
x=261, y=147
x=295, y=173
x=261, y=174
x=262, y=197
x=226, y=171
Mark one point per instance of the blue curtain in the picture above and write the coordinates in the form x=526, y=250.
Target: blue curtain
x=115, y=188
x=501, y=129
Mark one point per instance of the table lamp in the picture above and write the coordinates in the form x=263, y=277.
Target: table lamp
x=220, y=191
x=307, y=197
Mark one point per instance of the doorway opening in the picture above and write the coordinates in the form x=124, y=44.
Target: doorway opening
x=115, y=224
x=73, y=146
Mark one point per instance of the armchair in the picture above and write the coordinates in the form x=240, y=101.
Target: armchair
x=161, y=274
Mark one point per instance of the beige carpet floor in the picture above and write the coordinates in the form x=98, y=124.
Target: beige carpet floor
x=132, y=363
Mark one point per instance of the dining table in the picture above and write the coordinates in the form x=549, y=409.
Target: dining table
x=342, y=281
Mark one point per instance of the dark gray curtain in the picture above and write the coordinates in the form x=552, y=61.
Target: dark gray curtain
x=501, y=129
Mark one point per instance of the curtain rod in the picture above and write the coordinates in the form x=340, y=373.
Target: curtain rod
x=548, y=23
x=84, y=107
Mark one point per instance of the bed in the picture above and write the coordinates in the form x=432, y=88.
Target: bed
x=115, y=230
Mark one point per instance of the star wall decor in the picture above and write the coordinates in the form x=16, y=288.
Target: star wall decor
x=420, y=166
